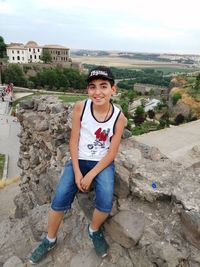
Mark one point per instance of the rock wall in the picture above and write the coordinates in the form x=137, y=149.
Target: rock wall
x=155, y=219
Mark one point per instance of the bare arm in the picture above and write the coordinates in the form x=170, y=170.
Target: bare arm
x=110, y=156
x=74, y=141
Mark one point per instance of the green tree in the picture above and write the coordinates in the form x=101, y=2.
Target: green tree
x=2, y=47
x=46, y=56
x=59, y=79
x=139, y=116
x=139, y=110
x=14, y=74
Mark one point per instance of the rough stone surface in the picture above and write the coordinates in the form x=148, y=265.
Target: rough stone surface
x=191, y=226
x=13, y=262
x=162, y=195
x=126, y=228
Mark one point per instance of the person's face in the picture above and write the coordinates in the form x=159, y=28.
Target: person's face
x=100, y=91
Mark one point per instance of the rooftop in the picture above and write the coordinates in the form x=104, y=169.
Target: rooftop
x=55, y=46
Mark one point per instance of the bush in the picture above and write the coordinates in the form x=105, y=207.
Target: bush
x=175, y=98
x=139, y=110
x=124, y=106
x=30, y=84
x=13, y=73
x=140, y=115
x=145, y=127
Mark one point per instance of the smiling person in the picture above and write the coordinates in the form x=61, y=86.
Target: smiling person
x=97, y=127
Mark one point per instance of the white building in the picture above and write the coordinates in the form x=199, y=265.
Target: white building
x=20, y=53
x=17, y=53
x=151, y=104
x=34, y=52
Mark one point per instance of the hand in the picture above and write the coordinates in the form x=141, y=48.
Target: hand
x=78, y=178
x=86, y=182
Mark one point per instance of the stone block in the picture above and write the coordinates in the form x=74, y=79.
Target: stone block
x=125, y=228
x=14, y=261
x=191, y=227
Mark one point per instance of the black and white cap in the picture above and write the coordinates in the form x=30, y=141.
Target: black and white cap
x=101, y=72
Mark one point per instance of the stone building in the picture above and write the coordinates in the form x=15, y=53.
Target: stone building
x=32, y=52
x=20, y=53
x=147, y=89
x=59, y=53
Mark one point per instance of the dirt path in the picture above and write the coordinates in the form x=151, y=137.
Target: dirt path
x=7, y=194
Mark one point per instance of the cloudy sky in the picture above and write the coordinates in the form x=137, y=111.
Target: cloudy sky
x=171, y=26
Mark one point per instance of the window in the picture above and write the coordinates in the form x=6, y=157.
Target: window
x=13, y=58
x=35, y=57
x=17, y=51
x=33, y=50
x=13, y=51
x=39, y=56
x=18, y=57
x=59, y=53
x=29, y=49
x=31, y=56
x=38, y=50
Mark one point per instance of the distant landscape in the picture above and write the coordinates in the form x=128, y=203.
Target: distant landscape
x=167, y=63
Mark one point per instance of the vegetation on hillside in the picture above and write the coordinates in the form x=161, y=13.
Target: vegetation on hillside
x=14, y=73
x=163, y=115
x=130, y=77
x=52, y=78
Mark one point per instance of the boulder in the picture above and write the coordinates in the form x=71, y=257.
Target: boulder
x=125, y=228
x=191, y=226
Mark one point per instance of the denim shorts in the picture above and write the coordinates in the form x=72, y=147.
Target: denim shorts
x=103, y=185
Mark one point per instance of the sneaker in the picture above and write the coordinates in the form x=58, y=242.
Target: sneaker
x=100, y=244
x=42, y=250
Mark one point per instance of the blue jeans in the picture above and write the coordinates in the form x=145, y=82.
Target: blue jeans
x=67, y=188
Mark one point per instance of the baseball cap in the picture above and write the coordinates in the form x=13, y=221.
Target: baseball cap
x=101, y=72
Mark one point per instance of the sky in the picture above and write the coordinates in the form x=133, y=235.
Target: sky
x=152, y=26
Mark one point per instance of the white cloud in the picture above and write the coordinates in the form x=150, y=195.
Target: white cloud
x=108, y=23
x=6, y=8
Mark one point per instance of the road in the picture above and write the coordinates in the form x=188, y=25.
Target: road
x=176, y=142
x=9, y=141
x=9, y=144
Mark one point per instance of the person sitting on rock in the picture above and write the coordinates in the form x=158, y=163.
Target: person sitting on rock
x=89, y=164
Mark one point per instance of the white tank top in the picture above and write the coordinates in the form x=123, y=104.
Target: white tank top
x=95, y=136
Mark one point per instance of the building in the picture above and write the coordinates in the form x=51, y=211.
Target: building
x=20, y=53
x=59, y=54
x=32, y=53
x=17, y=53
x=151, y=104
x=148, y=89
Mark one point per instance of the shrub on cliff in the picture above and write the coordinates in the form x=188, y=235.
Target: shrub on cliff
x=175, y=98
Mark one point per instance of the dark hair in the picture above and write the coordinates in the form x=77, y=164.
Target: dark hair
x=112, y=83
